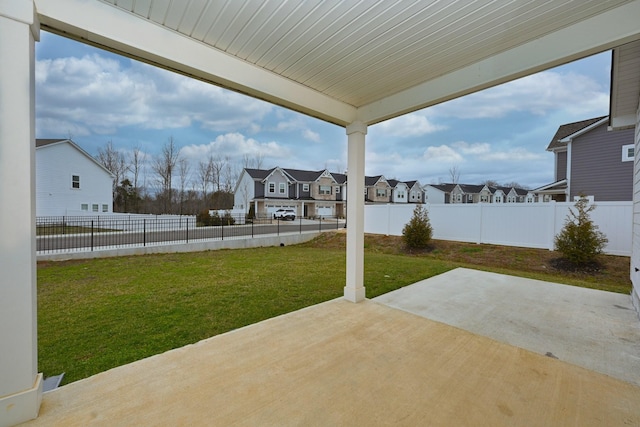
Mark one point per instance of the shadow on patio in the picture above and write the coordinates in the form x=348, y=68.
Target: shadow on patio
x=340, y=363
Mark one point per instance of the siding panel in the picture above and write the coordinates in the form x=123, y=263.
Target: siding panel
x=561, y=165
x=597, y=168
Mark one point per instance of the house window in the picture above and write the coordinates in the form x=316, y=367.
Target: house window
x=94, y=208
x=75, y=181
x=469, y=197
x=272, y=187
x=105, y=208
x=400, y=195
x=282, y=188
x=325, y=189
x=628, y=151
x=337, y=189
x=84, y=207
x=458, y=197
x=484, y=199
x=381, y=192
x=497, y=199
x=305, y=187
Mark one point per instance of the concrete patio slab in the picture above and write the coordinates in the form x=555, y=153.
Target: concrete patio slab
x=590, y=328
x=345, y=364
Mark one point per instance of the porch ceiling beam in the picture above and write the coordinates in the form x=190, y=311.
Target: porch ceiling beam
x=588, y=37
x=107, y=27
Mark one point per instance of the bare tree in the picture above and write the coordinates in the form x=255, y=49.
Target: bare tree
x=255, y=162
x=183, y=170
x=113, y=160
x=204, y=178
x=164, y=166
x=217, y=165
x=136, y=164
x=491, y=183
x=230, y=175
x=454, y=174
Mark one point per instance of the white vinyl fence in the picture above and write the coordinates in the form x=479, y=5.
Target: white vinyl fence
x=532, y=225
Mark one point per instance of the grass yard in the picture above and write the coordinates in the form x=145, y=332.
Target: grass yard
x=97, y=314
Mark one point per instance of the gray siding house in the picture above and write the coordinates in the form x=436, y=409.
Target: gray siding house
x=591, y=160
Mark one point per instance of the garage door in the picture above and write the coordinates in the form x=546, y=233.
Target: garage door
x=325, y=211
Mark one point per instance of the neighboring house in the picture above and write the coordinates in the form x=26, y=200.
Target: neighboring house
x=309, y=193
x=438, y=193
x=399, y=191
x=69, y=181
x=376, y=189
x=470, y=193
x=590, y=160
x=416, y=192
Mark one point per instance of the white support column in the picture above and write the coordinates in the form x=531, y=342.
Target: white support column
x=20, y=383
x=354, y=290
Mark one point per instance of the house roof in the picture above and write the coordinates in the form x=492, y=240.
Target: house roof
x=370, y=181
x=558, y=187
x=44, y=142
x=259, y=174
x=447, y=188
x=569, y=129
x=340, y=178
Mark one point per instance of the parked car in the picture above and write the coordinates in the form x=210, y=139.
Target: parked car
x=285, y=214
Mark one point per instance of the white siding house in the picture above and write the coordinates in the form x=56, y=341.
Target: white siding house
x=69, y=181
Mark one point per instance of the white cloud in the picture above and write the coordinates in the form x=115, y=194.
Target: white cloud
x=101, y=96
x=409, y=125
x=538, y=94
x=235, y=145
x=311, y=135
x=443, y=154
x=477, y=148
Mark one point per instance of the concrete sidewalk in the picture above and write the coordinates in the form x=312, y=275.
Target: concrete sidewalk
x=597, y=330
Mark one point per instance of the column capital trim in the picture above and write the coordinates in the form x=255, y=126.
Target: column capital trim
x=356, y=127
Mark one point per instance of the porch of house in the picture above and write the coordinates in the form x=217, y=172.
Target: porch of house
x=387, y=362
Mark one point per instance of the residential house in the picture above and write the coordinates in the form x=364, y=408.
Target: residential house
x=438, y=193
x=590, y=160
x=399, y=191
x=69, y=181
x=471, y=193
x=377, y=189
x=416, y=192
x=309, y=193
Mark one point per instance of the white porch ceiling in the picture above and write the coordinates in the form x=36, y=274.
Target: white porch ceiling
x=349, y=60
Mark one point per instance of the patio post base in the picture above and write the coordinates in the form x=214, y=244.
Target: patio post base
x=354, y=294
x=23, y=406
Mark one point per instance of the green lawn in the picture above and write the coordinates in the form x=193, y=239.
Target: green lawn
x=96, y=314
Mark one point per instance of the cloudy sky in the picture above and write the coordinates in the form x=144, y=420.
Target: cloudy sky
x=94, y=96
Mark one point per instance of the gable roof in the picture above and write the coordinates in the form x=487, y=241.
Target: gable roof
x=43, y=142
x=340, y=178
x=370, y=181
x=569, y=129
x=259, y=174
x=447, y=188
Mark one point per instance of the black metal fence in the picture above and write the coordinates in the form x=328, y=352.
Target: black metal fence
x=84, y=233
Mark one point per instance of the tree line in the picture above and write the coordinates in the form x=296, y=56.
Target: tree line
x=167, y=183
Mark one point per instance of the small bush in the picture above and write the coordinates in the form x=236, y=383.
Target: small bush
x=203, y=219
x=417, y=233
x=580, y=241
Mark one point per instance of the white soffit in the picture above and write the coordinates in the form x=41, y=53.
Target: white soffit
x=625, y=87
x=347, y=60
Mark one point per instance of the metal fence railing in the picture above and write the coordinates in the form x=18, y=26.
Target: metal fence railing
x=88, y=233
